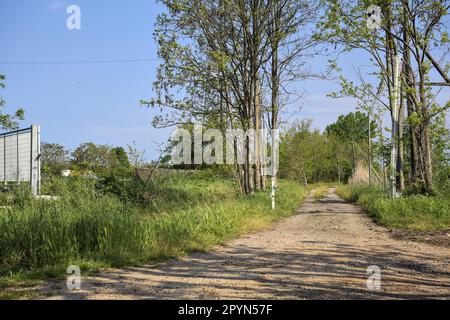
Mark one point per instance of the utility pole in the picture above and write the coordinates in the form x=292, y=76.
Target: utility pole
x=394, y=133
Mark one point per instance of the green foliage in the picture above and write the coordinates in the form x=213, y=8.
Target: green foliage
x=307, y=153
x=440, y=155
x=121, y=164
x=199, y=66
x=344, y=23
x=8, y=121
x=54, y=158
x=353, y=127
x=102, y=160
x=440, y=141
x=22, y=196
x=415, y=212
x=89, y=156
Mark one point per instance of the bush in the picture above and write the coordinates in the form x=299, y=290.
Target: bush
x=413, y=212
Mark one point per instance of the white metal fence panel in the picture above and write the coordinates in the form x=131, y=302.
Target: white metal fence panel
x=20, y=158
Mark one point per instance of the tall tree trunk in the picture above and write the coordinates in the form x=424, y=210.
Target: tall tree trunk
x=260, y=177
x=412, y=134
x=275, y=82
x=400, y=153
x=425, y=134
x=256, y=86
x=257, y=115
x=392, y=78
x=353, y=159
x=338, y=163
x=247, y=121
x=409, y=82
x=428, y=165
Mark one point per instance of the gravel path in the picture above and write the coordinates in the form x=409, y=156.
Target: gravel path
x=322, y=252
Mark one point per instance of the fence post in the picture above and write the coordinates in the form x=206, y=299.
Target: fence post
x=35, y=165
x=17, y=158
x=4, y=162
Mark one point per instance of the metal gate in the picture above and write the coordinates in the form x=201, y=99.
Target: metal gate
x=20, y=158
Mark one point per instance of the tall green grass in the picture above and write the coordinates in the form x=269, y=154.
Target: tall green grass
x=320, y=191
x=413, y=212
x=93, y=229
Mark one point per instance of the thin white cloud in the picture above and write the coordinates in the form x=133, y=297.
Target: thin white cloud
x=58, y=5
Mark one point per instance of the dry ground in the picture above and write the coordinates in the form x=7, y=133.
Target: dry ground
x=322, y=252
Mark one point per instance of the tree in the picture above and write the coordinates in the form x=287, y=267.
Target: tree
x=120, y=162
x=424, y=38
x=307, y=155
x=135, y=156
x=102, y=160
x=91, y=157
x=352, y=129
x=54, y=158
x=414, y=31
x=223, y=55
x=440, y=138
x=8, y=121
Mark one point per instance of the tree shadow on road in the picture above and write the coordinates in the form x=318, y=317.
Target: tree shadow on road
x=335, y=271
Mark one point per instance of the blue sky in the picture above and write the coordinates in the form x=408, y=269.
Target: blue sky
x=77, y=103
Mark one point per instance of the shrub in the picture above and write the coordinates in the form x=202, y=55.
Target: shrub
x=413, y=212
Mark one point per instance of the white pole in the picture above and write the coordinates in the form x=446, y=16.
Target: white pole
x=394, y=133
x=274, y=164
x=35, y=161
x=273, y=170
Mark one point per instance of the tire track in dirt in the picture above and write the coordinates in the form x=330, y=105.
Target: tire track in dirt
x=322, y=252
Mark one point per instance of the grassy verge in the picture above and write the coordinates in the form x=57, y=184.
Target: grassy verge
x=40, y=239
x=320, y=192
x=414, y=213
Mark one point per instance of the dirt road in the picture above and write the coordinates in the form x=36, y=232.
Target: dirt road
x=323, y=252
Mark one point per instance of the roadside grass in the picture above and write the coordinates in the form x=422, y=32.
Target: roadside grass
x=320, y=192
x=414, y=212
x=39, y=239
